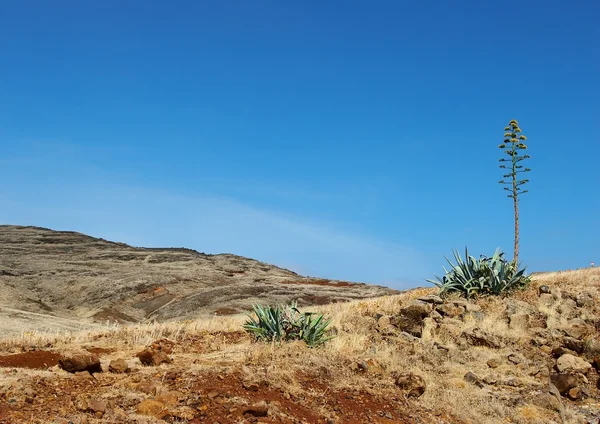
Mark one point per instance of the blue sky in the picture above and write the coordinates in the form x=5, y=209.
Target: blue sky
x=346, y=139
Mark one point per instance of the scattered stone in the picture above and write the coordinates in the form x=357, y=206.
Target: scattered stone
x=540, y=371
x=441, y=347
x=478, y=337
x=374, y=367
x=472, y=307
x=259, y=409
x=152, y=408
x=567, y=307
x=557, y=352
x=518, y=321
x=80, y=361
x=437, y=317
x=118, y=366
x=544, y=290
x=514, y=307
x=431, y=298
x=516, y=358
x=94, y=406
x=574, y=344
x=575, y=393
x=411, y=384
x=183, y=413
x=585, y=298
x=411, y=318
x=473, y=379
x=591, y=348
x=494, y=363
x=146, y=387
x=84, y=374
x=251, y=386
x=170, y=398
x=569, y=362
x=385, y=321
x=164, y=345
x=214, y=394
x=360, y=366
x=564, y=382
x=152, y=357
x=577, y=328
x=514, y=382
x=451, y=310
x=478, y=316
x=490, y=379
x=549, y=401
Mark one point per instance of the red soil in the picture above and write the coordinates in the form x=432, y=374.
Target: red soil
x=38, y=359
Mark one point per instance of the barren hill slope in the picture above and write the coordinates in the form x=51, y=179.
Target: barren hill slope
x=56, y=280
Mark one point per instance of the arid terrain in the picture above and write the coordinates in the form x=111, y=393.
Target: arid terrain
x=406, y=358
x=59, y=280
x=411, y=357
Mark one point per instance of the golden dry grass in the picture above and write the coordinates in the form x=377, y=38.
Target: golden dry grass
x=357, y=339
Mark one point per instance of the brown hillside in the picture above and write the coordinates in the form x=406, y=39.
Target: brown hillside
x=58, y=280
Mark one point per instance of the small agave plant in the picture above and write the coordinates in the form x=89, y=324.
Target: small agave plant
x=471, y=276
x=286, y=322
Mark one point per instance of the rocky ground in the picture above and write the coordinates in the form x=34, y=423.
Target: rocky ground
x=409, y=358
x=66, y=281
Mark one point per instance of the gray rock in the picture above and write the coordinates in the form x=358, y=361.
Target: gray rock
x=585, y=298
x=118, y=366
x=544, y=290
x=569, y=362
x=591, y=348
x=473, y=379
x=577, y=328
x=431, y=298
x=478, y=337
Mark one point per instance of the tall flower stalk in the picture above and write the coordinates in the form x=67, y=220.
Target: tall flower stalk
x=513, y=146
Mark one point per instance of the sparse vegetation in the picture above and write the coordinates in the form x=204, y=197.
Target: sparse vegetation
x=513, y=144
x=218, y=372
x=285, y=323
x=471, y=276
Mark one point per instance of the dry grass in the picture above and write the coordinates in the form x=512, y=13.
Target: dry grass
x=288, y=366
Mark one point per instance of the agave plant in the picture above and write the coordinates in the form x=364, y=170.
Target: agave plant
x=471, y=276
x=286, y=322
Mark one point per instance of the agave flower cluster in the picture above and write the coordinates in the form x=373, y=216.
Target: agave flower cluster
x=286, y=322
x=512, y=145
x=471, y=277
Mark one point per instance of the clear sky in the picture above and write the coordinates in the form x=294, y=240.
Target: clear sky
x=345, y=139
